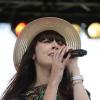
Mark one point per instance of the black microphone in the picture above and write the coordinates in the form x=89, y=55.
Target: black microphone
x=75, y=53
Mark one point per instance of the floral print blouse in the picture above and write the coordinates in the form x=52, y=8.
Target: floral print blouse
x=36, y=93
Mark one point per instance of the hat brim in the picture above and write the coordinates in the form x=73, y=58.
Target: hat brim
x=41, y=24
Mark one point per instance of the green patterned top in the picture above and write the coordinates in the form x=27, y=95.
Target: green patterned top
x=37, y=93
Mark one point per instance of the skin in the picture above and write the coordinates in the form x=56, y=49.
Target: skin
x=50, y=69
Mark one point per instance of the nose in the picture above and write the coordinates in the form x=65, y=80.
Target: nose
x=55, y=45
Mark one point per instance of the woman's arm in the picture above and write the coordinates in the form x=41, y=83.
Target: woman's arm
x=51, y=92
x=55, y=78
x=80, y=92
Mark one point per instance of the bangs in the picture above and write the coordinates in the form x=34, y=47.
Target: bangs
x=51, y=36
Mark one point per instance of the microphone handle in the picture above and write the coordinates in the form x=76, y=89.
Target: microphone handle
x=76, y=53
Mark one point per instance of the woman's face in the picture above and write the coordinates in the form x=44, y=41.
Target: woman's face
x=45, y=50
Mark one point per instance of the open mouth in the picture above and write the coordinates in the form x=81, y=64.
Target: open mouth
x=51, y=54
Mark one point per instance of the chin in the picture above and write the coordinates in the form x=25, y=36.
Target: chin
x=48, y=63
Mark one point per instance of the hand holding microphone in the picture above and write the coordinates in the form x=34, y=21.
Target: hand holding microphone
x=76, y=53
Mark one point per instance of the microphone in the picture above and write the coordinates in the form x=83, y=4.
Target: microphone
x=75, y=53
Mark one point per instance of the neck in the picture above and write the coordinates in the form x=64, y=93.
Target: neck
x=42, y=75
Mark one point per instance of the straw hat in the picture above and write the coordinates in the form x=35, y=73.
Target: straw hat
x=41, y=24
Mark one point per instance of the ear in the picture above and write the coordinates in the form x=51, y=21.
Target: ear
x=33, y=57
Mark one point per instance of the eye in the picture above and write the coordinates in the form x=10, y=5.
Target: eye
x=60, y=43
x=46, y=41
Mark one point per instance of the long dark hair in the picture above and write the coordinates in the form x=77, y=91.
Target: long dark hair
x=26, y=74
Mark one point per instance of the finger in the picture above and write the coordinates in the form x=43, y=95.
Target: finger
x=63, y=52
x=66, y=59
x=58, y=52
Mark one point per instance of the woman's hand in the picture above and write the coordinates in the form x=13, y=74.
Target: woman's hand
x=58, y=65
x=72, y=66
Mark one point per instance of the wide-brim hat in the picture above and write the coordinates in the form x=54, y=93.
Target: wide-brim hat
x=59, y=25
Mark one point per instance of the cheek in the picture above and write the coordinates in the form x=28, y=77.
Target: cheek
x=41, y=51
x=41, y=55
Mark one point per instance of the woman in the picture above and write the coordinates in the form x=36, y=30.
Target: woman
x=42, y=71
